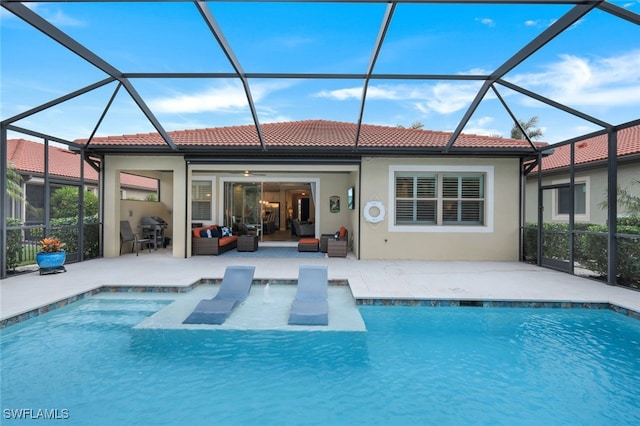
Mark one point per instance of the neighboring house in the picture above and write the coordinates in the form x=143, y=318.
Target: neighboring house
x=64, y=169
x=412, y=199
x=590, y=187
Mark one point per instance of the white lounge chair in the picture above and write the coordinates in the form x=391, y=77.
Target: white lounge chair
x=234, y=290
x=310, y=306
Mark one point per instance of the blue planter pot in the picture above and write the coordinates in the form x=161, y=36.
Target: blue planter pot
x=51, y=260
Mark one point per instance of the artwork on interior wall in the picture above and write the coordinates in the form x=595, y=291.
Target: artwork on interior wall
x=334, y=204
x=350, y=199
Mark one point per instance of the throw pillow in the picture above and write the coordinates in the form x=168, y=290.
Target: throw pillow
x=226, y=232
x=203, y=233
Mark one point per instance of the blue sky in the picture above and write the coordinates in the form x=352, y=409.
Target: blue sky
x=593, y=67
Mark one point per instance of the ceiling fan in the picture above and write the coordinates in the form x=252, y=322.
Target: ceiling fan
x=248, y=173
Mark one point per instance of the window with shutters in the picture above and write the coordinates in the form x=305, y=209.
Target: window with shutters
x=416, y=199
x=462, y=199
x=201, y=195
x=440, y=198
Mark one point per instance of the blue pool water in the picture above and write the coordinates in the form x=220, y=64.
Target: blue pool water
x=414, y=365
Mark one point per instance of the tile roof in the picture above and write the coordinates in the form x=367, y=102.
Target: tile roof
x=310, y=134
x=28, y=157
x=594, y=149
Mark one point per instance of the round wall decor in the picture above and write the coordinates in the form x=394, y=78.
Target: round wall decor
x=374, y=211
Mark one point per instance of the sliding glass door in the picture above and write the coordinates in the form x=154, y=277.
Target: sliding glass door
x=243, y=207
x=267, y=207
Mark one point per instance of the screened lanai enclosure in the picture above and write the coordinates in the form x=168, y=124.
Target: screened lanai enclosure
x=76, y=73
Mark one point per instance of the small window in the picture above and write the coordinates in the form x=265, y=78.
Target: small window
x=561, y=200
x=580, y=199
x=201, y=196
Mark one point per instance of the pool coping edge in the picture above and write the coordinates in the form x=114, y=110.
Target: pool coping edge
x=381, y=301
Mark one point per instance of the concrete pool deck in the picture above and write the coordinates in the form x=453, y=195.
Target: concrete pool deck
x=368, y=280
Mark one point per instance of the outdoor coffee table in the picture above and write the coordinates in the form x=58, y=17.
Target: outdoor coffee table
x=247, y=243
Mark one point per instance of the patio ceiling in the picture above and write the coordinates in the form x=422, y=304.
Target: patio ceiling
x=203, y=48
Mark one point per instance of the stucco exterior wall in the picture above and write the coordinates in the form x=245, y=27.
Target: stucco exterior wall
x=335, y=185
x=498, y=241
x=173, y=176
x=596, y=180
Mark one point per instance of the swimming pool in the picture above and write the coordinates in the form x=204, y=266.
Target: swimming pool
x=414, y=365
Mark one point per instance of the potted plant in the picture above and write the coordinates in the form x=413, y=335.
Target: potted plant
x=52, y=254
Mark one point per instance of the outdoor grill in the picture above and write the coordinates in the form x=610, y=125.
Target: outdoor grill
x=153, y=228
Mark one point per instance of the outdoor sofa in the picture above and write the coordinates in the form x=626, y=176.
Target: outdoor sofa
x=209, y=240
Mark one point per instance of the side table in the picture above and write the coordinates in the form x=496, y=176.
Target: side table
x=324, y=239
x=247, y=243
x=337, y=248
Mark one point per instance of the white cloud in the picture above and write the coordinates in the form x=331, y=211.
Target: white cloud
x=580, y=81
x=486, y=21
x=55, y=16
x=292, y=41
x=539, y=23
x=384, y=92
x=481, y=126
x=476, y=71
x=441, y=98
x=224, y=97
x=60, y=19
x=268, y=114
x=481, y=131
x=446, y=98
x=341, y=94
x=483, y=121
x=274, y=118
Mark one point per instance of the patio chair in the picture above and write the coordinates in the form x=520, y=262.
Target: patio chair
x=310, y=306
x=303, y=229
x=128, y=236
x=233, y=290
